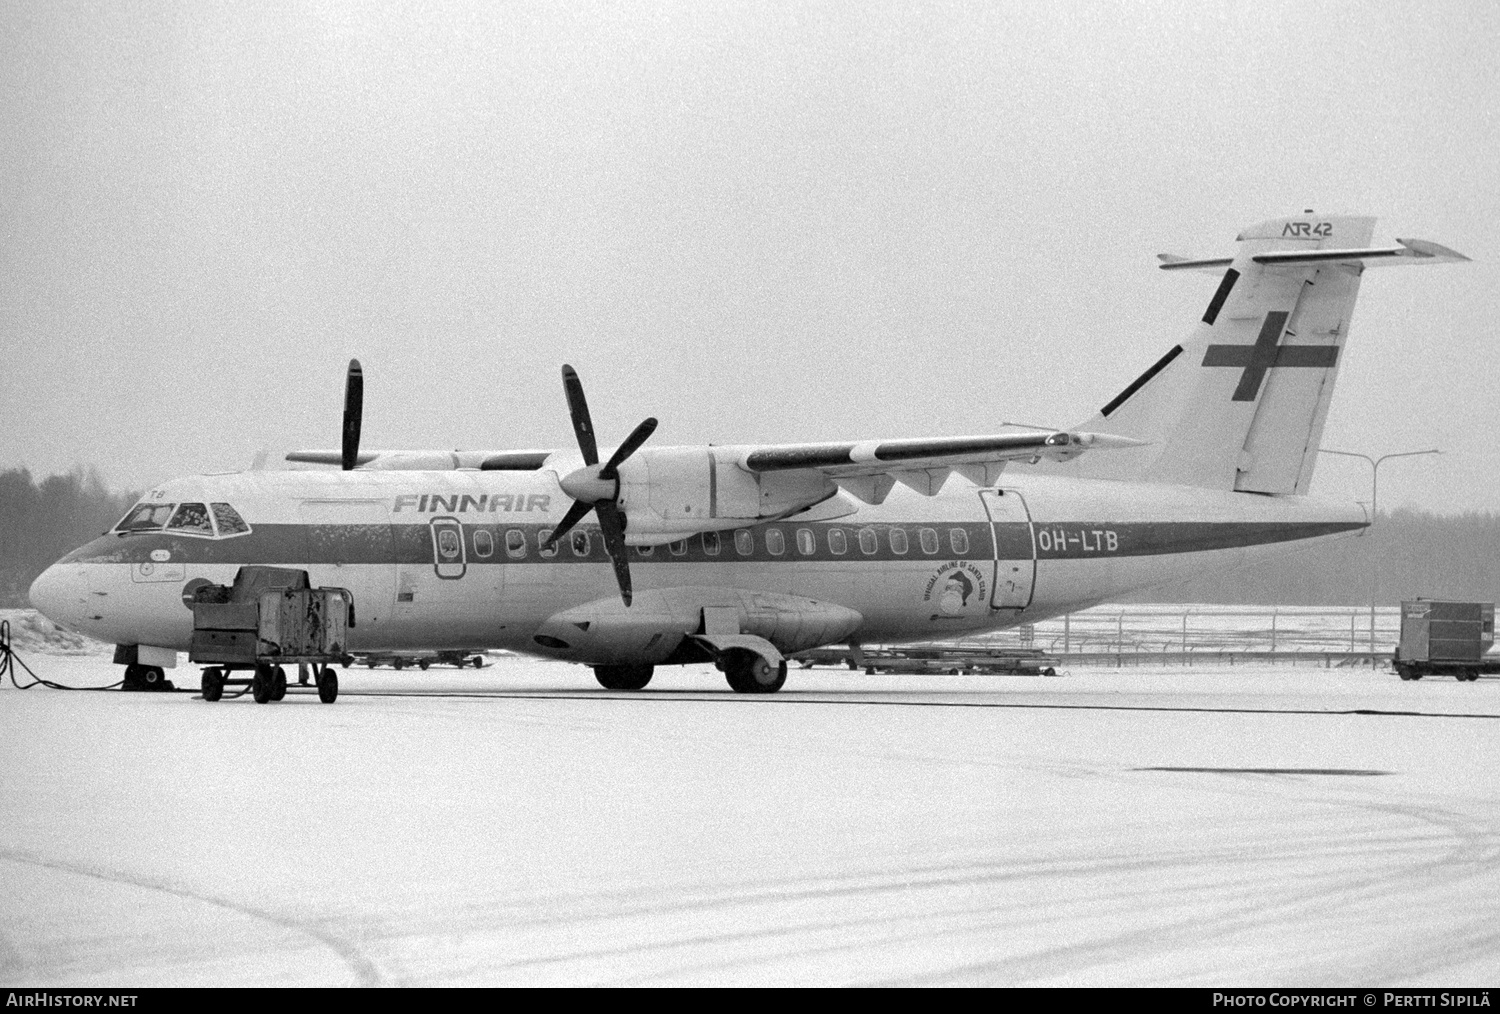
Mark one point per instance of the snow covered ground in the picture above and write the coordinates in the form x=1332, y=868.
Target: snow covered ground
x=520, y=825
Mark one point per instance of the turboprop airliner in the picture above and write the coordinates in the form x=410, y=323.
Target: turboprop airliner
x=634, y=557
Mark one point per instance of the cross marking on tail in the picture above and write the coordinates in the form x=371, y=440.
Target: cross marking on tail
x=1267, y=353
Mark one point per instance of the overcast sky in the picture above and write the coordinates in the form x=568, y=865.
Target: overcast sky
x=758, y=222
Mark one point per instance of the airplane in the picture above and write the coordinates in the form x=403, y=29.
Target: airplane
x=742, y=555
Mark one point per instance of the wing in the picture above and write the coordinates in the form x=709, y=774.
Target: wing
x=430, y=461
x=870, y=468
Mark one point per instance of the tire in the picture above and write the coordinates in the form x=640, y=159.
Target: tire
x=278, y=683
x=478, y=661
x=623, y=677
x=212, y=685
x=328, y=686
x=154, y=677
x=422, y=665
x=399, y=664
x=749, y=673
x=135, y=678
x=261, y=684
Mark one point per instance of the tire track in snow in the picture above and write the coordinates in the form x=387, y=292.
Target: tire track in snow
x=363, y=968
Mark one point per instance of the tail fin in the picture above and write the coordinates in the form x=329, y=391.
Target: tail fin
x=1240, y=405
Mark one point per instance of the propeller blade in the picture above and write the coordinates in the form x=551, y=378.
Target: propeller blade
x=630, y=446
x=575, y=514
x=612, y=526
x=354, y=402
x=578, y=408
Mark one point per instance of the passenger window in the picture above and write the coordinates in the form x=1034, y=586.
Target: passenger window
x=484, y=543
x=775, y=541
x=806, y=544
x=868, y=542
x=191, y=518
x=581, y=544
x=541, y=544
x=899, y=544
x=929, y=540
x=711, y=543
x=645, y=550
x=678, y=548
x=838, y=542
x=959, y=540
x=448, y=547
x=744, y=542
x=230, y=522
x=515, y=544
x=145, y=517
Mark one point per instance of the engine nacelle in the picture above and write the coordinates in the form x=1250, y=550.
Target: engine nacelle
x=607, y=632
x=668, y=491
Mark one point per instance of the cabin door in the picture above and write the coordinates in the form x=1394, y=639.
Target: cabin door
x=348, y=544
x=1015, y=548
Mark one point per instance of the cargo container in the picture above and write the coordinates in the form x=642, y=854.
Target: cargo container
x=267, y=619
x=1443, y=637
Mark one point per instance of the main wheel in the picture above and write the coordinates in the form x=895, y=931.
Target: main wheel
x=623, y=677
x=262, y=684
x=749, y=673
x=478, y=661
x=212, y=685
x=278, y=683
x=328, y=686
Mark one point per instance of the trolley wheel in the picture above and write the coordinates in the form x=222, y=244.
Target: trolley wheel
x=278, y=683
x=1049, y=671
x=212, y=685
x=262, y=684
x=328, y=686
x=478, y=661
x=369, y=663
x=422, y=665
x=399, y=664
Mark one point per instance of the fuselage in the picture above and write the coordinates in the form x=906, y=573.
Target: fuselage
x=455, y=559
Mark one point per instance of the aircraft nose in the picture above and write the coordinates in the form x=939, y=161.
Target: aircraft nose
x=49, y=594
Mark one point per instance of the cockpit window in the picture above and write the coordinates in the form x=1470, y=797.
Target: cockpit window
x=145, y=517
x=230, y=522
x=191, y=518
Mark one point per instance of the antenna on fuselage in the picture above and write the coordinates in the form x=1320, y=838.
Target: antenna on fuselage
x=354, y=402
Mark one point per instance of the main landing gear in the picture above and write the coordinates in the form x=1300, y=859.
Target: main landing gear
x=623, y=677
x=749, y=673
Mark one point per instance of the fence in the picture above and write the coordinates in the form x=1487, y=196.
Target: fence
x=1134, y=634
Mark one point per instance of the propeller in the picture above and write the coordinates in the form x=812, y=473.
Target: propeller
x=354, y=402
x=596, y=487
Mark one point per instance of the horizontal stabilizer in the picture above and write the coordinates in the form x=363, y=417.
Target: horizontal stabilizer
x=1411, y=251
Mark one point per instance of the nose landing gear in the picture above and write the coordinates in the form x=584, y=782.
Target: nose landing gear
x=146, y=677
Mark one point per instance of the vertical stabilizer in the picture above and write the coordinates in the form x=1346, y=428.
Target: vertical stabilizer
x=1241, y=404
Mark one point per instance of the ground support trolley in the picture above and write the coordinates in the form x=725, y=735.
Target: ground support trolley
x=1445, y=638
x=268, y=619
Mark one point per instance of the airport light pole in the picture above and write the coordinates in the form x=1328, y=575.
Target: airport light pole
x=1374, y=506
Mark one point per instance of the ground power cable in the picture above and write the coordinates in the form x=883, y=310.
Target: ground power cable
x=9, y=659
